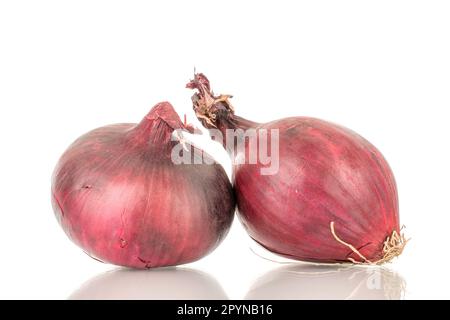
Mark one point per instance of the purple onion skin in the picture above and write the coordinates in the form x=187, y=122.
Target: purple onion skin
x=117, y=194
x=327, y=173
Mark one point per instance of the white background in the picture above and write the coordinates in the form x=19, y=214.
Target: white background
x=381, y=68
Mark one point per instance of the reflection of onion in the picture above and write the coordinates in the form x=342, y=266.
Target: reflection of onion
x=307, y=282
x=157, y=284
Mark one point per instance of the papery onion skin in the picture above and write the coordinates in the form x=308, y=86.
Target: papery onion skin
x=117, y=195
x=327, y=174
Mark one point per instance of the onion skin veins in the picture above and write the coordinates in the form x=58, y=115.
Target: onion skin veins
x=117, y=194
x=333, y=200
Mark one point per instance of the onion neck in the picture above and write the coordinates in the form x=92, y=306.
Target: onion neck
x=157, y=126
x=216, y=112
x=229, y=127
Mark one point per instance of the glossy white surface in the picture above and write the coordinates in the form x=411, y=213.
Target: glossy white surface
x=380, y=68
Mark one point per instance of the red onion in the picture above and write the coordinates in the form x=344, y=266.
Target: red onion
x=333, y=198
x=118, y=195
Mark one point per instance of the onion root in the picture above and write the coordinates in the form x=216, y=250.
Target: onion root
x=393, y=246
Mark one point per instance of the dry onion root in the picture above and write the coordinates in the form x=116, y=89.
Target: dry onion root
x=393, y=246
